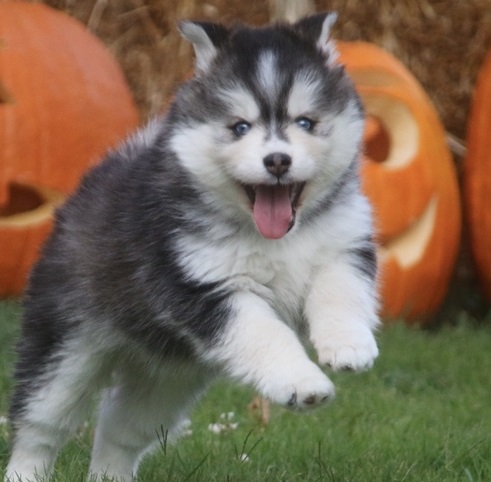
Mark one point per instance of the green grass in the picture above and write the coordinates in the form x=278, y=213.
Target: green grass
x=422, y=414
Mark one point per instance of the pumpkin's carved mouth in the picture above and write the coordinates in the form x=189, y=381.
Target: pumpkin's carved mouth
x=409, y=247
x=28, y=205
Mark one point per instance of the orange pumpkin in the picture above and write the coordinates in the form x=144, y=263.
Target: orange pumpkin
x=63, y=102
x=409, y=176
x=477, y=176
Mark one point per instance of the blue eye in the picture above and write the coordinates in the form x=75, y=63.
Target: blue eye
x=241, y=128
x=305, y=123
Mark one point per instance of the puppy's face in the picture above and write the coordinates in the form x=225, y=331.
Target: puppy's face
x=268, y=125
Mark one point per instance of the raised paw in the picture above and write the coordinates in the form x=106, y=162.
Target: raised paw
x=348, y=350
x=300, y=388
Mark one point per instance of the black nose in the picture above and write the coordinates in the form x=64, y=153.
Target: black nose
x=277, y=163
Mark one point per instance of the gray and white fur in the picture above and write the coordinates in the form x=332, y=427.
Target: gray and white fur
x=207, y=245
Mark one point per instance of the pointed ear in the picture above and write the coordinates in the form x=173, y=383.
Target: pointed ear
x=317, y=29
x=206, y=38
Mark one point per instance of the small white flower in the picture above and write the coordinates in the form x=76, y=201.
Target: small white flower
x=217, y=428
x=227, y=416
x=244, y=458
x=3, y=420
x=227, y=425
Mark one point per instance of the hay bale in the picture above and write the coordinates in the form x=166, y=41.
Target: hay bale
x=142, y=35
x=442, y=43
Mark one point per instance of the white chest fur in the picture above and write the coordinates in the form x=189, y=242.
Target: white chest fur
x=279, y=271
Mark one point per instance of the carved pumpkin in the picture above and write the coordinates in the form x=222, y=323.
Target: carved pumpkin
x=410, y=179
x=477, y=176
x=63, y=102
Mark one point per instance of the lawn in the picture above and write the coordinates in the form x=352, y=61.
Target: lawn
x=422, y=414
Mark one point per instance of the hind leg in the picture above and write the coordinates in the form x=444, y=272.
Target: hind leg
x=47, y=407
x=136, y=412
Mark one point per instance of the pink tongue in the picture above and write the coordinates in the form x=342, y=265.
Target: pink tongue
x=272, y=211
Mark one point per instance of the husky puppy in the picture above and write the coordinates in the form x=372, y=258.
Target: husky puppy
x=205, y=246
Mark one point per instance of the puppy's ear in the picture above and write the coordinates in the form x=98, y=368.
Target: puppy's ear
x=317, y=29
x=206, y=38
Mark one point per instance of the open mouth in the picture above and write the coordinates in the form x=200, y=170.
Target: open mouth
x=274, y=207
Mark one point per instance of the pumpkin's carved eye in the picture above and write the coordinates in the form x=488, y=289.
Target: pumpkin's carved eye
x=392, y=133
x=20, y=199
x=377, y=140
x=28, y=205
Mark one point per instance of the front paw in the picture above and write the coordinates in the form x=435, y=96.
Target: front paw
x=349, y=349
x=299, y=387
